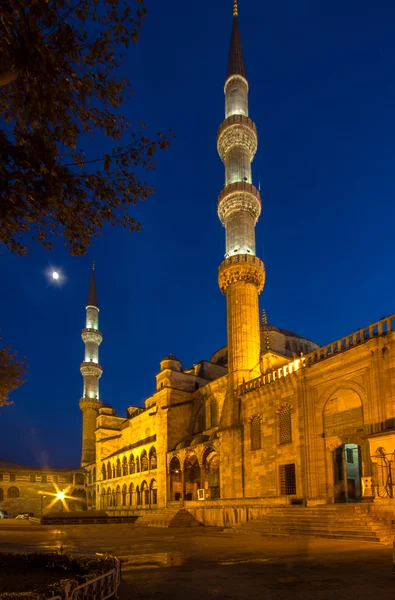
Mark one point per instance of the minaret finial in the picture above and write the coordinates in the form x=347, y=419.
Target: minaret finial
x=264, y=317
x=235, y=9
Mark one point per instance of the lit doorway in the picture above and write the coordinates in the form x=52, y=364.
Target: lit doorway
x=347, y=473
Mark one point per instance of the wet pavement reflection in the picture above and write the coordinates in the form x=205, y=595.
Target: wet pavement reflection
x=182, y=563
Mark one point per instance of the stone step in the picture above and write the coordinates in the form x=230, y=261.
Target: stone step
x=167, y=517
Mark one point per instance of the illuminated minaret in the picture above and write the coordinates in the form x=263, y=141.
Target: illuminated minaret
x=91, y=372
x=241, y=275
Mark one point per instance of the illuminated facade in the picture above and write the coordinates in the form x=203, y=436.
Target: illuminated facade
x=271, y=418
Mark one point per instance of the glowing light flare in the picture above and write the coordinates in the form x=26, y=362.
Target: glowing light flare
x=55, y=275
x=61, y=495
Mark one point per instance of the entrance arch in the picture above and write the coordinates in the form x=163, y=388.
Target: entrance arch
x=175, y=479
x=212, y=473
x=191, y=477
x=347, y=470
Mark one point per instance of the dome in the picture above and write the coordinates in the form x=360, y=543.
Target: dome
x=171, y=357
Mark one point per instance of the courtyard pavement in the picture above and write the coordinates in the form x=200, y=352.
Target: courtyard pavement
x=207, y=563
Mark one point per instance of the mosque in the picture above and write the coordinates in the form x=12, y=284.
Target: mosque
x=271, y=419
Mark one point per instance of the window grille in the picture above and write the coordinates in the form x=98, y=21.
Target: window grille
x=285, y=420
x=12, y=477
x=13, y=492
x=287, y=480
x=1, y=495
x=44, y=478
x=256, y=441
x=349, y=455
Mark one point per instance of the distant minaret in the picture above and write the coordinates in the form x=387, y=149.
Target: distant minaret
x=241, y=275
x=91, y=372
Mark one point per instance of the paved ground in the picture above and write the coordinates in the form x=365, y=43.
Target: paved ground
x=204, y=563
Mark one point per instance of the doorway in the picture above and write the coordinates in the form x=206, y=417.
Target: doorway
x=347, y=470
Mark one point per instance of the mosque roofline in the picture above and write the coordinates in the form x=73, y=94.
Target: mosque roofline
x=9, y=465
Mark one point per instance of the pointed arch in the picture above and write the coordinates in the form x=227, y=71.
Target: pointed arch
x=124, y=493
x=153, y=462
x=132, y=466
x=109, y=471
x=131, y=494
x=153, y=492
x=118, y=468
x=124, y=466
x=144, y=461
x=103, y=472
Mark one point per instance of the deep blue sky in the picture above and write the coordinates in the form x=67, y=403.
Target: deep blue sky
x=322, y=93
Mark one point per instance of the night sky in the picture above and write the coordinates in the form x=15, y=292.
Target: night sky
x=322, y=93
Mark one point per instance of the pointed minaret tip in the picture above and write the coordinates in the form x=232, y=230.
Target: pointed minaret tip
x=236, y=60
x=92, y=294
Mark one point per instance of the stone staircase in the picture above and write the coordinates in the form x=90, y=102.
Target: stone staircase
x=344, y=522
x=167, y=517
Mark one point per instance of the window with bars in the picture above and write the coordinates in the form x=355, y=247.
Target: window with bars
x=287, y=480
x=349, y=455
x=285, y=425
x=255, y=433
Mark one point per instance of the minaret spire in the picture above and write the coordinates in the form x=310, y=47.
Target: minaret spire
x=91, y=372
x=236, y=59
x=241, y=275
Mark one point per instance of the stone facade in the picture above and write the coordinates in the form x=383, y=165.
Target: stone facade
x=25, y=489
x=271, y=418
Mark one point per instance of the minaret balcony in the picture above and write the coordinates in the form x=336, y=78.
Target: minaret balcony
x=91, y=369
x=237, y=131
x=239, y=196
x=91, y=335
x=89, y=404
x=241, y=268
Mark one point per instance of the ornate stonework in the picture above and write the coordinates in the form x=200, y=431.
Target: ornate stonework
x=237, y=131
x=235, y=201
x=241, y=268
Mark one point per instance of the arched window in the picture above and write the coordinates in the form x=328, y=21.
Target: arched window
x=153, y=492
x=131, y=493
x=153, y=463
x=214, y=412
x=119, y=471
x=13, y=492
x=113, y=471
x=103, y=472
x=109, y=472
x=103, y=499
x=138, y=496
x=137, y=465
x=132, y=466
x=124, y=466
x=89, y=477
x=255, y=433
x=118, y=496
x=144, y=461
x=285, y=425
x=144, y=493
x=94, y=474
x=109, y=497
x=1, y=495
x=124, y=492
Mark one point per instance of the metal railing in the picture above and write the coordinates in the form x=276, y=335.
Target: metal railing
x=101, y=587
